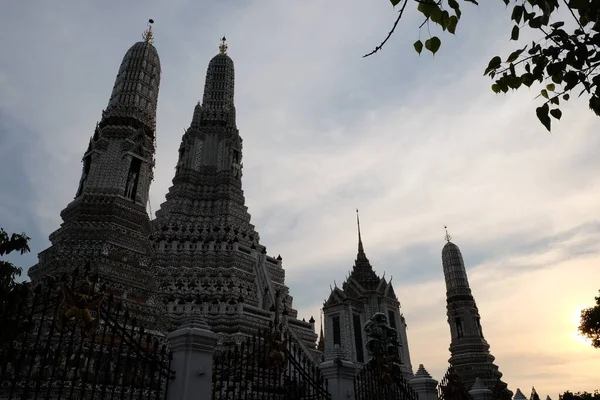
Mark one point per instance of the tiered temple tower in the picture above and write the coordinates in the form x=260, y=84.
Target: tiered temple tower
x=348, y=309
x=470, y=352
x=208, y=254
x=106, y=225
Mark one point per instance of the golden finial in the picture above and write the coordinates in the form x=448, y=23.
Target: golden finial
x=223, y=46
x=148, y=36
x=447, y=237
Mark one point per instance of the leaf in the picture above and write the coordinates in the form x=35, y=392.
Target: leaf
x=544, y=93
x=395, y=2
x=515, y=54
x=453, y=4
x=473, y=1
x=452, y=24
x=595, y=104
x=551, y=87
x=542, y=114
x=493, y=65
x=445, y=19
x=513, y=81
x=430, y=10
x=527, y=79
x=536, y=22
x=503, y=86
x=418, y=45
x=496, y=88
x=566, y=97
x=577, y=4
x=514, y=34
x=556, y=113
x=517, y=14
x=557, y=25
x=572, y=79
x=436, y=15
x=433, y=44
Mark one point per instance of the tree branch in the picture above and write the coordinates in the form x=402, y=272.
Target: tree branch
x=391, y=32
x=515, y=64
x=573, y=14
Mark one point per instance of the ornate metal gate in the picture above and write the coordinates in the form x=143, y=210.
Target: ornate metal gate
x=77, y=343
x=501, y=392
x=381, y=378
x=451, y=387
x=268, y=366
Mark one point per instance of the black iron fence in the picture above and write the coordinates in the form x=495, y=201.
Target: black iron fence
x=451, y=387
x=382, y=380
x=268, y=366
x=75, y=342
x=501, y=392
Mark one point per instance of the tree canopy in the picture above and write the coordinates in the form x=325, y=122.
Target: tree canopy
x=590, y=324
x=564, y=59
x=13, y=295
x=580, y=396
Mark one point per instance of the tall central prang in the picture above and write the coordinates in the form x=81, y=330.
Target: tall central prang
x=208, y=255
x=106, y=226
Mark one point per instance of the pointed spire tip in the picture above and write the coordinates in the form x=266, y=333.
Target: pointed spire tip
x=360, y=245
x=223, y=45
x=447, y=237
x=148, y=35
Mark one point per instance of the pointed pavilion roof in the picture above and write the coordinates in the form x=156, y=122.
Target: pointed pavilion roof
x=519, y=395
x=362, y=280
x=321, y=343
x=362, y=271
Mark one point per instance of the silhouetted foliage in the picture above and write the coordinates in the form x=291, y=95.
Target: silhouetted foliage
x=590, y=323
x=534, y=395
x=13, y=295
x=580, y=396
x=563, y=59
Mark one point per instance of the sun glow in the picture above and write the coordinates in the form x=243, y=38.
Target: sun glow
x=575, y=320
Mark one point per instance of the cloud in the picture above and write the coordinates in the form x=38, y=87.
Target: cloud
x=414, y=142
x=16, y=197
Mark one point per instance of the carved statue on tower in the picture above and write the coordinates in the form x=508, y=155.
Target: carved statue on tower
x=130, y=184
x=383, y=348
x=383, y=340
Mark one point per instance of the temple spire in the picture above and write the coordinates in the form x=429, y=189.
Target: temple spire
x=223, y=46
x=362, y=270
x=321, y=342
x=135, y=91
x=217, y=102
x=360, y=244
x=118, y=166
x=148, y=35
x=470, y=352
x=447, y=237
